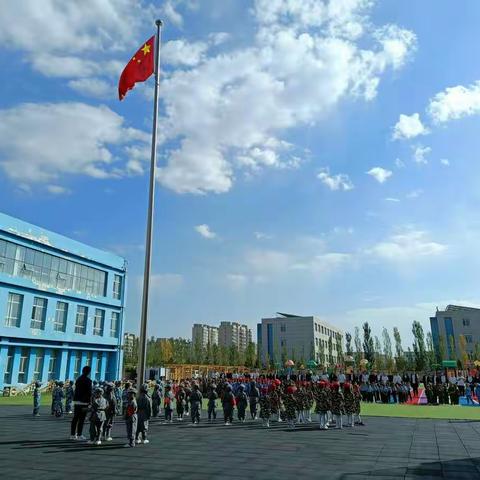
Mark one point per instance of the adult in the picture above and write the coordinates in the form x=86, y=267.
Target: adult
x=81, y=399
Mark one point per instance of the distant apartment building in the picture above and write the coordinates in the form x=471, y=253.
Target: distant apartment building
x=129, y=340
x=204, y=335
x=452, y=323
x=298, y=337
x=236, y=334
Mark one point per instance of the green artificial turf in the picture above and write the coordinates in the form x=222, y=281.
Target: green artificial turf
x=46, y=399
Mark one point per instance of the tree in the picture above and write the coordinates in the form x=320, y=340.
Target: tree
x=215, y=354
x=399, y=354
x=321, y=353
x=410, y=360
x=198, y=352
x=330, y=350
x=387, y=350
x=452, y=351
x=379, y=363
x=348, y=344
x=442, y=349
x=250, y=355
x=339, y=347
x=358, y=347
x=476, y=351
x=430, y=354
x=368, y=346
x=233, y=355
x=462, y=343
x=419, y=349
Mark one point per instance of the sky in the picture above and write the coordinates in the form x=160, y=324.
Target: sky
x=315, y=157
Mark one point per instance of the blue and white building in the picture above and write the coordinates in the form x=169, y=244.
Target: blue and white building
x=62, y=306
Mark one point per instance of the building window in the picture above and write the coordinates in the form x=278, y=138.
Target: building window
x=98, y=322
x=468, y=338
x=52, y=365
x=23, y=367
x=76, y=364
x=60, y=323
x=88, y=360
x=117, y=287
x=14, y=310
x=114, y=324
x=81, y=320
x=37, y=371
x=49, y=270
x=7, y=377
x=283, y=327
x=317, y=342
x=99, y=366
x=39, y=313
x=466, y=322
x=283, y=343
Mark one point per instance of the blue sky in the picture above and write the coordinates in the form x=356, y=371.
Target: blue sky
x=314, y=157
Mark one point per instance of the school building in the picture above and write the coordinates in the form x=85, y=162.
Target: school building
x=62, y=306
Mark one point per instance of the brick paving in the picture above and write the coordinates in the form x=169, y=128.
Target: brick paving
x=390, y=448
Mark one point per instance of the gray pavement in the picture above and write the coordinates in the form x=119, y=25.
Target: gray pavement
x=390, y=448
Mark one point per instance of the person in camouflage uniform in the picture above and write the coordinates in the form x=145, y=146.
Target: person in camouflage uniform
x=349, y=402
x=265, y=409
x=300, y=404
x=290, y=405
x=337, y=407
x=453, y=393
x=275, y=395
x=358, y=405
x=322, y=404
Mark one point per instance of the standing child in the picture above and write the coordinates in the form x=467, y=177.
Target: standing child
x=110, y=411
x=131, y=417
x=358, y=405
x=117, y=391
x=468, y=394
x=196, y=404
x=265, y=410
x=290, y=403
x=242, y=402
x=36, y=399
x=57, y=399
x=228, y=403
x=337, y=405
x=156, y=400
x=180, y=400
x=168, y=404
x=254, y=395
x=322, y=404
x=349, y=402
x=144, y=412
x=69, y=397
x=97, y=416
x=212, y=403
x=126, y=389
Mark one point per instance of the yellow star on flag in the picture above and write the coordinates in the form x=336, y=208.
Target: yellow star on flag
x=145, y=49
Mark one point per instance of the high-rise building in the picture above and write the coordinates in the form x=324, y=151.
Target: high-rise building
x=204, y=335
x=450, y=324
x=236, y=334
x=129, y=340
x=296, y=338
x=61, y=306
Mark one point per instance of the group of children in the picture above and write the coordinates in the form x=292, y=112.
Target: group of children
x=283, y=401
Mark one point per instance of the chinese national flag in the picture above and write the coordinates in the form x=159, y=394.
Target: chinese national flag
x=138, y=69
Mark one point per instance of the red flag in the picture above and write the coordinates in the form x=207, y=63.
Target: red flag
x=138, y=69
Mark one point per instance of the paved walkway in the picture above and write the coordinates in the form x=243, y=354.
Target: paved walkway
x=385, y=448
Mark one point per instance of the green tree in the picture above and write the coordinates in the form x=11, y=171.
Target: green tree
x=321, y=353
x=250, y=355
x=348, y=344
x=379, y=363
x=419, y=349
x=339, y=347
x=442, y=349
x=410, y=360
x=215, y=354
x=462, y=344
x=399, y=354
x=330, y=350
x=358, y=347
x=431, y=357
x=368, y=346
x=452, y=353
x=387, y=350
x=476, y=351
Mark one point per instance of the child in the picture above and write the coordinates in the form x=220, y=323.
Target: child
x=57, y=399
x=242, y=402
x=156, y=400
x=309, y=399
x=254, y=395
x=167, y=404
x=69, y=397
x=117, y=391
x=36, y=400
x=228, y=403
x=126, y=389
x=265, y=410
x=468, y=394
x=131, y=417
x=337, y=405
x=110, y=412
x=357, y=395
x=349, y=402
x=323, y=405
x=290, y=403
x=196, y=404
x=144, y=412
x=180, y=400
x=97, y=416
x=212, y=403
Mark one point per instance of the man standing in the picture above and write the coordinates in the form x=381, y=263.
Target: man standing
x=81, y=399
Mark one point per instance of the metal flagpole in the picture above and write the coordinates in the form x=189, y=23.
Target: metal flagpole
x=142, y=354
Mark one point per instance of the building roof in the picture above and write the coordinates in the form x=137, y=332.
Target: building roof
x=453, y=308
x=34, y=234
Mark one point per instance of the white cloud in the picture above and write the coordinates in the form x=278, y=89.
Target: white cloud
x=392, y=199
x=93, y=87
x=399, y=163
x=58, y=190
x=409, y=127
x=172, y=14
x=181, y=52
x=40, y=142
x=409, y=245
x=414, y=193
x=262, y=236
x=340, y=181
x=454, y=103
x=380, y=174
x=419, y=154
x=231, y=104
x=445, y=162
x=237, y=281
x=217, y=38
x=205, y=232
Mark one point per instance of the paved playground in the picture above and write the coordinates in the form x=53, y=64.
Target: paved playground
x=385, y=448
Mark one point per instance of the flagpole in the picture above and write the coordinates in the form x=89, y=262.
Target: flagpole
x=142, y=354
